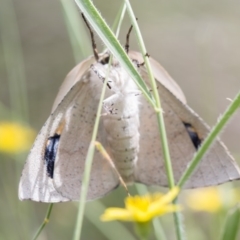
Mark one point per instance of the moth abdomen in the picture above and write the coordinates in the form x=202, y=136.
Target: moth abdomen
x=193, y=135
x=50, y=153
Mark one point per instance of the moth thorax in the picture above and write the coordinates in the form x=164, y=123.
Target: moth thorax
x=119, y=79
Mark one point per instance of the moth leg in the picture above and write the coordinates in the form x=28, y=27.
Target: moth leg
x=109, y=105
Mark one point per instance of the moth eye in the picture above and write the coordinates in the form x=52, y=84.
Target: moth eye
x=193, y=135
x=105, y=60
x=50, y=153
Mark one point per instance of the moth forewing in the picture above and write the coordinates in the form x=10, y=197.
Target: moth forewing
x=72, y=78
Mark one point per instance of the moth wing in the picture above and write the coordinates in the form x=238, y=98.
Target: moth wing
x=76, y=113
x=34, y=183
x=73, y=146
x=215, y=168
x=71, y=79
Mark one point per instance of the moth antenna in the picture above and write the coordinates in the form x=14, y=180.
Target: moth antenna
x=127, y=39
x=94, y=45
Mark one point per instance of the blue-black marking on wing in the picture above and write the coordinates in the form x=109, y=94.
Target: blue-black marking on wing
x=50, y=153
x=193, y=135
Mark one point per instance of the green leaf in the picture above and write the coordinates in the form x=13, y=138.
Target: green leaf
x=232, y=224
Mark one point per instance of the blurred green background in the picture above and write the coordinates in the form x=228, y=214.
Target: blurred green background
x=196, y=41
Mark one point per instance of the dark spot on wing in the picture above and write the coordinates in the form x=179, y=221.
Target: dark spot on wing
x=193, y=135
x=50, y=153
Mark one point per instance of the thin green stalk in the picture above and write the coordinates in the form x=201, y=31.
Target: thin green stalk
x=88, y=165
x=78, y=37
x=14, y=60
x=160, y=119
x=107, y=36
x=118, y=21
x=178, y=219
x=46, y=220
x=230, y=229
x=14, y=63
x=210, y=139
x=158, y=229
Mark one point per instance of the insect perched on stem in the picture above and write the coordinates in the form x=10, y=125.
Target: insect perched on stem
x=128, y=131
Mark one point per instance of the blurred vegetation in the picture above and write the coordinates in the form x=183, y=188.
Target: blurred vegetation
x=198, y=44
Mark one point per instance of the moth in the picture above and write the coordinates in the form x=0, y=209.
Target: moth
x=128, y=131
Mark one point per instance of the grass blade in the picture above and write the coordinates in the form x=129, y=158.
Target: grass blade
x=232, y=225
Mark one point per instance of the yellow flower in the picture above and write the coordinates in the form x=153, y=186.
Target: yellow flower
x=15, y=137
x=212, y=199
x=143, y=208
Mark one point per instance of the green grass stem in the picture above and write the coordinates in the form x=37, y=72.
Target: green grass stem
x=14, y=60
x=45, y=221
x=81, y=45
